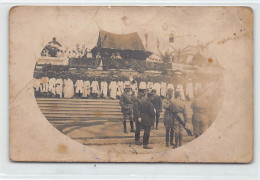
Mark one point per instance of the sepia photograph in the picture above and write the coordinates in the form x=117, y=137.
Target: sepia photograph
x=131, y=84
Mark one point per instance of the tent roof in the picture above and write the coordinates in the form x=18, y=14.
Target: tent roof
x=130, y=41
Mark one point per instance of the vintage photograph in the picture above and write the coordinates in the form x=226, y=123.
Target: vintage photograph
x=132, y=81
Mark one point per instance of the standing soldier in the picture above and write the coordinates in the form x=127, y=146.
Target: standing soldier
x=127, y=107
x=147, y=117
x=178, y=110
x=200, y=119
x=157, y=103
x=137, y=114
x=167, y=118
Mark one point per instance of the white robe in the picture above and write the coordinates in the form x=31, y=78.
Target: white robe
x=163, y=89
x=37, y=84
x=103, y=89
x=86, y=89
x=120, y=88
x=44, y=84
x=189, y=90
x=142, y=85
x=95, y=87
x=68, y=88
x=79, y=86
x=52, y=85
x=179, y=88
x=113, y=89
x=59, y=87
x=157, y=87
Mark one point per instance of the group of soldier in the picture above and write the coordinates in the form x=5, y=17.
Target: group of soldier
x=144, y=111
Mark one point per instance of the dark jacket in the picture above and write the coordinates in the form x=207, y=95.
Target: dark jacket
x=136, y=106
x=178, y=108
x=147, y=112
x=157, y=102
x=126, y=103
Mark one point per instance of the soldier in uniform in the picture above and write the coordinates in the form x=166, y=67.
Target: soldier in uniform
x=167, y=118
x=127, y=107
x=179, y=114
x=157, y=103
x=200, y=120
x=147, y=117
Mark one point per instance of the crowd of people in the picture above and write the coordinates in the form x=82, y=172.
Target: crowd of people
x=144, y=111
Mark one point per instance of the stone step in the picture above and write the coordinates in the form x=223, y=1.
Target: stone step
x=96, y=113
x=78, y=109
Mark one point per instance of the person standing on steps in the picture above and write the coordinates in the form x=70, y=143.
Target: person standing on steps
x=127, y=107
x=157, y=103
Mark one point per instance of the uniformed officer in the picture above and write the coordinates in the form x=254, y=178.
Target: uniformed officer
x=127, y=107
x=157, y=103
x=200, y=119
x=137, y=114
x=179, y=114
x=167, y=117
x=147, y=117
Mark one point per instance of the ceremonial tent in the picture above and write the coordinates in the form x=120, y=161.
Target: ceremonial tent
x=126, y=46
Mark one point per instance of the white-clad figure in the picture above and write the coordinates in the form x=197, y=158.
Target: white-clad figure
x=95, y=89
x=150, y=85
x=163, y=89
x=71, y=88
x=103, y=89
x=170, y=86
x=157, y=87
x=113, y=89
x=189, y=90
x=59, y=87
x=44, y=86
x=66, y=88
x=79, y=87
x=126, y=83
x=36, y=86
x=197, y=88
x=86, y=89
x=120, y=88
x=142, y=85
x=180, y=89
x=52, y=86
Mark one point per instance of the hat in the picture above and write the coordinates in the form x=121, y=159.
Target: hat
x=142, y=86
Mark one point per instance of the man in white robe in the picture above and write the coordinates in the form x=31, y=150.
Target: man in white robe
x=150, y=85
x=86, y=89
x=120, y=88
x=95, y=89
x=103, y=88
x=170, y=86
x=52, y=86
x=59, y=87
x=142, y=85
x=79, y=88
x=113, y=89
x=44, y=86
x=37, y=87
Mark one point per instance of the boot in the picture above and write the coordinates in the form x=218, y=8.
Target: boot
x=132, y=126
x=124, y=123
x=147, y=147
x=180, y=139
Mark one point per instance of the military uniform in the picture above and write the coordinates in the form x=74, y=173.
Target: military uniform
x=168, y=121
x=178, y=110
x=127, y=109
x=200, y=120
x=137, y=114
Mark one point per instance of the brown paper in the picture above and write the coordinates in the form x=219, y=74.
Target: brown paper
x=223, y=36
